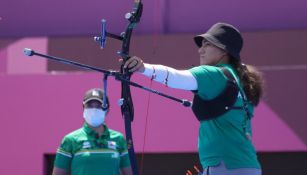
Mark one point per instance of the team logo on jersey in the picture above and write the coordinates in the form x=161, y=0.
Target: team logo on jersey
x=111, y=144
x=86, y=144
x=239, y=95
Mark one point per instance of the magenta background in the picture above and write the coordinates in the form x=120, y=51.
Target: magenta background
x=38, y=110
x=37, y=107
x=51, y=103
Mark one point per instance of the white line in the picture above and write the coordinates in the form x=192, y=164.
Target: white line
x=282, y=67
x=65, y=154
x=96, y=152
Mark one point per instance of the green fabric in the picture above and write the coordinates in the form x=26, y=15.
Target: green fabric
x=82, y=152
x=223, y=138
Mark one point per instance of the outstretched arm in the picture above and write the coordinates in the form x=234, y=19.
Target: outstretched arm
x=179, y=79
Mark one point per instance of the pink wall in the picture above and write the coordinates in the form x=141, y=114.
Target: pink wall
x=38, y=108
x=13, y=61
x=3, y=60
x=271, y=133
x=16, y=62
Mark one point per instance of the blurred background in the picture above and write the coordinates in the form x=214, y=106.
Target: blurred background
x=41, y=101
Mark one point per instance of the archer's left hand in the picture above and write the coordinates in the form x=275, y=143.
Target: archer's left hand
x=134, y=64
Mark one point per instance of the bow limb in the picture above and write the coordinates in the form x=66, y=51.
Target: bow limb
x=127, y=105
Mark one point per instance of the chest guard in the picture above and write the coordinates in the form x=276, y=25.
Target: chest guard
x=209, y=109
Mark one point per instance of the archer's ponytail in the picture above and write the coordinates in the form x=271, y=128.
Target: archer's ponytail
x=251, y=80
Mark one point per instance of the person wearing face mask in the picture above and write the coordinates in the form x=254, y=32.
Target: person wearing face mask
x=225, y=94
x=93, y=149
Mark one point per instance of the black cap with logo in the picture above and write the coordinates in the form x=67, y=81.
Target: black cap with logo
x=94, y=94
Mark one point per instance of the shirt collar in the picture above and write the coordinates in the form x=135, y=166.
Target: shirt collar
x=92, y=132
x=224, y=65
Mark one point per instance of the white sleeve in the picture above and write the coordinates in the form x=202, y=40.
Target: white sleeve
x=179, y=79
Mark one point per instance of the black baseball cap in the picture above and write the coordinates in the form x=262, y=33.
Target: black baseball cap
x=94, y=94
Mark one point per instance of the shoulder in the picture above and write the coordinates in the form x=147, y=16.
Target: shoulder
x=74, y=134
x=207, y=74
x=204, y=69
x=211, y=80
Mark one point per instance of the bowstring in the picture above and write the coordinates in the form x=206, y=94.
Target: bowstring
x=157, y=17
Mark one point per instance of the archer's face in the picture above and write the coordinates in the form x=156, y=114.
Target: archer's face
x=210, y=54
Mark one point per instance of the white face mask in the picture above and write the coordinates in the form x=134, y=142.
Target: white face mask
x=93, y=116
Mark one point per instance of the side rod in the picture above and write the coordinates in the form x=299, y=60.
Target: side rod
x=118, y=76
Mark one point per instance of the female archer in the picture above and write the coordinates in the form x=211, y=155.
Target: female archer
x=225, y=94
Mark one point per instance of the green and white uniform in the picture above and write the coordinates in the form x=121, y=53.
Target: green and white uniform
x=83, y=152
x=223, y=139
